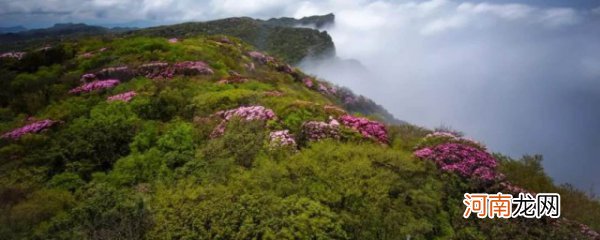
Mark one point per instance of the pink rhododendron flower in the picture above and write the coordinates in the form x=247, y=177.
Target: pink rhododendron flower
x=281, y=139
x=260, y=57
x=366, y=127
x=326, y=89
x=315, y=131
x=423, y=153
x=467, y=161
x=125, y=97
x=308, y=82
x=35, y=127
x=514, y=189
x=16, y=55
x=249, y=113
x=451, y=137
x=88, y=77
x=95, y=85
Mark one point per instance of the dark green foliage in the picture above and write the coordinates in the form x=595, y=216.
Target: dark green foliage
x=289, y=43
x=242, y=142
x=105, y=213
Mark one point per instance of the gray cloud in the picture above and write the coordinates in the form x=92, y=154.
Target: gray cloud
x=524, y=79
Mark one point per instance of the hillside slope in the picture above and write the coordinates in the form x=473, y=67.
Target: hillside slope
x=207, y=138
x=279, y=36
x=276, y=36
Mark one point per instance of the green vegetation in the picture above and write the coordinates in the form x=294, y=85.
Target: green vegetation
x=149, y=168
x=279, y=37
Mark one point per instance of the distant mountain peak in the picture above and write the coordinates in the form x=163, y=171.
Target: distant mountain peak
x=318, y=21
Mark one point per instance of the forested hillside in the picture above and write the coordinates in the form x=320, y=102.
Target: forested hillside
x=204, y=137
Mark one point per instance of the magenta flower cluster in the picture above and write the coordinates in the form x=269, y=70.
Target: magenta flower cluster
x=249, y=113
x=16, y=55
x=327, y=90
x=281, y=138
x=308, y=82
x=467, y=161
x=95, y=85
x=315, y=130
x=35, y=127
x=125, y=97
x=366, y=127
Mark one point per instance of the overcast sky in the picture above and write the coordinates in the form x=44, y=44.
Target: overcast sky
x=522, y=76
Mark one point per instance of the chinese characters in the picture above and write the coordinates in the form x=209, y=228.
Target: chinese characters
x=506, y=206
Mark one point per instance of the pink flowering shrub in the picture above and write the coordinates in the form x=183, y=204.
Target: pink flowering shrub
x=163, y=70
x=192, y=68
x=15, y=55
x=508, y=187
x=467, y=161
x=88, y=77
x=366, y=127
x=281, y=138
x=438, y=137
x=95, y=85
x=125, y=97
x=173, y=40
x=261, y=57
x=315, y=130
x=327, y=90
x=35, y=127
x=250, y=113
x=308, y=82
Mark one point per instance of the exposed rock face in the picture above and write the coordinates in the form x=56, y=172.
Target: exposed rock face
x=156, y=70
x=122, y=73
x=192, y=68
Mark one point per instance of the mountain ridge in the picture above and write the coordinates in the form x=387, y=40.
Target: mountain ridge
x=279, y=37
